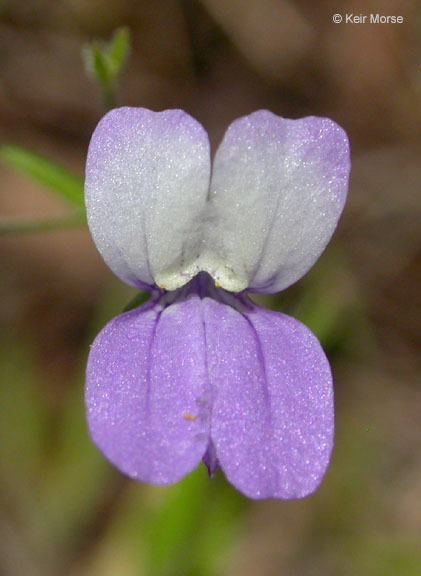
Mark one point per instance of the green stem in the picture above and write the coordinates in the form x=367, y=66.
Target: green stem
x=43, y=225
x=108, y=97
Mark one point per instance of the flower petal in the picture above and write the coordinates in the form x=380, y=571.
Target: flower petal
x=147, y=391
x=272, y=416
x=147, y=180
x=278, y=188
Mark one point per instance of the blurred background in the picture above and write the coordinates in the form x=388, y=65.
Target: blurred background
x=63, y=509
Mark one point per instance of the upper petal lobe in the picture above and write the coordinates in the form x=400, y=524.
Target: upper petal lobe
x=147, y=180
x=278, y=188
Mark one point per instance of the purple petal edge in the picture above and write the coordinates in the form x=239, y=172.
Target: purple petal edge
x=147, y=389
x=224, y=381
x=272, y=415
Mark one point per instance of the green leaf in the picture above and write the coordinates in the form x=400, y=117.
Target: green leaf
x=104, y=62
x=58, y=179
x=190, y=528
x=8, y=227
x=137, y=301
x=119, y=50
x=172, y=532
x=221, y=528
x=96, y=64
x=100, y=67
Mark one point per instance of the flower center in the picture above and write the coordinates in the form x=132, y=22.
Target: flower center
x=204, y=286
x=224, y=276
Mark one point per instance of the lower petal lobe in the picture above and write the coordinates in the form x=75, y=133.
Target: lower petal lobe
x=147, y=391
x=272, y=416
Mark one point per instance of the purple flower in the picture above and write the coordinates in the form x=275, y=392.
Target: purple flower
x=200, y=371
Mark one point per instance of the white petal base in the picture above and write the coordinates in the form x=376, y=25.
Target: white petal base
x=223, y=275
